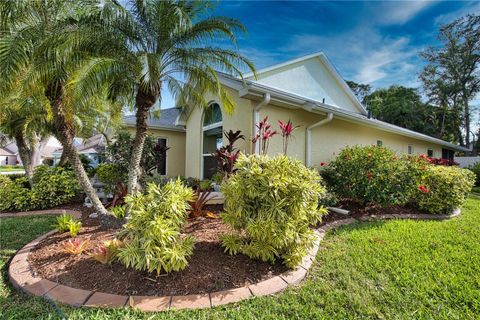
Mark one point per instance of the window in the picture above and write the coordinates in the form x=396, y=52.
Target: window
x=162, y=159
x=430, y=153
x=410, y=149
x=212, y=139
x=379, y=143
x=6, y=160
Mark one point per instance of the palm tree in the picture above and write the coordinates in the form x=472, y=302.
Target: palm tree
x=151, y=45
x=35, y=58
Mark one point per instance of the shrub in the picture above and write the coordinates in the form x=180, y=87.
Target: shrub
x=75, y=246
x=444, y=188
x=107, y=252
x=271, y=203
x=153, y=239
x=13, y=195
x=118, y=212
x=52, y=187
x=476, y=170
x=111, y=175
x=68, y=223
x=372, y=174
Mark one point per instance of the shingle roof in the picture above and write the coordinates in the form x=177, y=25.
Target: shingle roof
x=6, y=152
x=166, y=120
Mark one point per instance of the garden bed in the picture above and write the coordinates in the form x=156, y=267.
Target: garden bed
x=210, y=269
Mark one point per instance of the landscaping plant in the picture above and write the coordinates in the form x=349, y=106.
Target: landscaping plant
x=75, y=246
x=443, y=189
x=67, y=223
x=200, y=200
x=271, y=203
x=227, y=155
x=263, y=136
x=152, y=236
x=286, y=131
x=374, y=175
x=107, y=252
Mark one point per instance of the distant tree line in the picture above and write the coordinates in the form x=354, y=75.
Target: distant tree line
x=450, y=84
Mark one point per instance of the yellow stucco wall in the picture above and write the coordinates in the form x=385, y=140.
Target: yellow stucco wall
x=176, y=153
x=240, y=119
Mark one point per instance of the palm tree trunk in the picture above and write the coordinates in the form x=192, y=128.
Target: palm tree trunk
x=137, y=149
x=65, y=133
x=25, y=156
x=63, y=159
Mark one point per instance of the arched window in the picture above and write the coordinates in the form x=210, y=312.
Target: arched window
x=212, y=138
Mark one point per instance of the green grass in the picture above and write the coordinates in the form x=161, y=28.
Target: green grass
x=389, y=270
x=11, y=168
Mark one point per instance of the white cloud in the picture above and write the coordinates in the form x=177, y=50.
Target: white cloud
x=471, y=7
x=399, y=12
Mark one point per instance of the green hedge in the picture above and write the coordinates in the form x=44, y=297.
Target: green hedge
x=443, y=189
x=375, y=175
x=270, y=203
x=52, y=187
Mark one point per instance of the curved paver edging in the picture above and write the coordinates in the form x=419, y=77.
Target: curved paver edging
x=23, y=277
x=77, y=214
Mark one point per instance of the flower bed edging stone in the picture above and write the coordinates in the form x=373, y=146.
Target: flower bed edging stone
x=23, y=277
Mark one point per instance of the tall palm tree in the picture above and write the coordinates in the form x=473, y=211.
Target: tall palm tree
x=150, y=45
x=31, y=39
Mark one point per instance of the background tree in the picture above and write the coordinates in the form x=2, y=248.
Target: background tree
x=451, y=79
x=360, y=90
x=157, y=44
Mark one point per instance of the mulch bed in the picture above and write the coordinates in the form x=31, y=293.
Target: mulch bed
x=210, y=269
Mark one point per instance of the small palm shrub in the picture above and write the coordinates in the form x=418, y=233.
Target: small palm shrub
x=67, y=223
x=153, y=238
x=374, y=175
x=443, y=189
x=270, y=203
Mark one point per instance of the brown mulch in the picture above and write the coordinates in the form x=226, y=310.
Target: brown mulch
x=210, y=269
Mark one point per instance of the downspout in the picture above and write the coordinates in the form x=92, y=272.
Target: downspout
x=308, y=146
x=256, y=118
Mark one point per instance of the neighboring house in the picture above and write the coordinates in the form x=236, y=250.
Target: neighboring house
x=46, y=149
x=465, y=162
x=7, y=157
x=308, y=91
x=92, y=148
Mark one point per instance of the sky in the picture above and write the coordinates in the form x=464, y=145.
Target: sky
x=372, y=42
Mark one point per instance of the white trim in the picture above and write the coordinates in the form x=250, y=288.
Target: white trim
x=212, y=126
x=308, y=138
x=166, y=128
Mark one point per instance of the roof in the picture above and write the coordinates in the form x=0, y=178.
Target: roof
x=167, y=120
x=91, y=145
x=5, y=152
x=255, y=91
x=330, y=67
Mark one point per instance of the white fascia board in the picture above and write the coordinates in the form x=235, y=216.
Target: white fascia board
x=157, y=127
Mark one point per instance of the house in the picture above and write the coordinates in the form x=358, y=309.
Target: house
x=91, y=148
x=7, y=157
x=310, y=92
x=45, y=149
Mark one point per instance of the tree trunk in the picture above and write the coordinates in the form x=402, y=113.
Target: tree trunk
x=144, y=102
x=25, y=156
x=65, y=132
x=63, y=159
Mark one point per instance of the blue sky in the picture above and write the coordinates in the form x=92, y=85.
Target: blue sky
x=369, y=42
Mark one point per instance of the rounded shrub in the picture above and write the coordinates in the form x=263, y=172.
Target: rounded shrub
x=374, y=175
x=443, y=189
x=270, y=203
x=153, y=238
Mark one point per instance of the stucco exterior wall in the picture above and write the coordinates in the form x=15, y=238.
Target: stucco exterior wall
x=176, y=153
x=309, y=78
x=240, y=119
x=8, y=160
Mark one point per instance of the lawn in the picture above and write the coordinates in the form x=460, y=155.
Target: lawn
x=393, y=269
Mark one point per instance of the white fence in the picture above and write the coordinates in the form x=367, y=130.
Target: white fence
x=465, y=162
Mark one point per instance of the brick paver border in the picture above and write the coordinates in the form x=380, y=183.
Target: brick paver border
x=21, y=276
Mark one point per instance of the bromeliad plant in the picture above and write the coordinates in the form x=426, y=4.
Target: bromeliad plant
x=270, y=203
x=152, y=237
x=75, y=246
x=227, y=155
x=263, y=136
x=107, y=252
x=286, y=132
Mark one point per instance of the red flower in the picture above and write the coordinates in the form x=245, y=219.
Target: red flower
x=323, y=164
x=423, y=189
x=369, y=176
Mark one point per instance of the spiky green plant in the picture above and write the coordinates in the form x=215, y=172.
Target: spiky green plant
x=271, y=204
x=153, y=238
